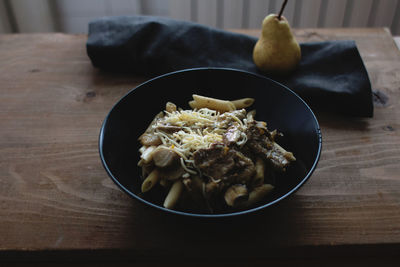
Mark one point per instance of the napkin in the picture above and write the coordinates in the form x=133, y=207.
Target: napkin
x=331, y=76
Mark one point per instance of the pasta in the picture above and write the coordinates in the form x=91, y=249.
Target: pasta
x=220, y=105
x=173, y=194
x=243, y=102
x=212, y=103
x=214, y=157
x=147, y=153
x=260, y=170
x=257, y=194
x=151, y=180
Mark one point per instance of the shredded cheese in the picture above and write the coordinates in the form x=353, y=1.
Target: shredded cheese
x=199, y=129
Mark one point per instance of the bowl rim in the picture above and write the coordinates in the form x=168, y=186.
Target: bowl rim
x=202, y=215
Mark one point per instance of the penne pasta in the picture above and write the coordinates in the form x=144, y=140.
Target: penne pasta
x=150, y=127
x=251, y=114
x=147, y=169
x=209, y=160
x=165, y=182
x=193, y=104
x=170, y=107
x=288, y=155
x=151, y=180
x=257, y=195
x=236, y=194
x=147, y=154
x=258, y=178
x=172, y=174
x=140, y=162
x=213, y=103
x=173, y=194
x=243, y=102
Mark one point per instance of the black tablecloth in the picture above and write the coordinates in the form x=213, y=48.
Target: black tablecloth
x=331, y=75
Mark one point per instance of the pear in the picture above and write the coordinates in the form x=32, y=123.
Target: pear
x=277, y=50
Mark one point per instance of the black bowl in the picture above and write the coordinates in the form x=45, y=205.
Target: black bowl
x=275, y=104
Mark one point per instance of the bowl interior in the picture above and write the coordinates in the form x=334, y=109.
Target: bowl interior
x=278, y=106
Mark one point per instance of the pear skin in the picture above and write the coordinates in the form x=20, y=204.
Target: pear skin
x=277, y=50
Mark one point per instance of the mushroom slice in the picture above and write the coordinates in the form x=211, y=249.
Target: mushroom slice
x=172, y=173
x=148, y=139
x=165, y=157
x=168, y=128
x=236, y=194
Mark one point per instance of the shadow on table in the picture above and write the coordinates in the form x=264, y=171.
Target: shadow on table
x=251, y=234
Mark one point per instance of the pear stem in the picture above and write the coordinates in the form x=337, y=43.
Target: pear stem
x=282, y=8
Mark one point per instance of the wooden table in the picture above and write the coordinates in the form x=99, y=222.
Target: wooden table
x=57, y=202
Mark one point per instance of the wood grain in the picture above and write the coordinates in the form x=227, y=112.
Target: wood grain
x=56, y=200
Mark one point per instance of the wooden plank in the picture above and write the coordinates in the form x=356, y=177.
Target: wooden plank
x=77, y=25
x=55, y=196
x=5, y=25
x=397, y=40
x=309, y=13
x=74, y=15
x=334, y=14
x=289, y=12
x=383, y=13
x=395, y=27
x=232, y=14
x=124, y=7
x=258, y=9
x=33, y=16
x=78, y=8
x=207, y=12
x=180, y=9
x=364, y=261
x=357, y=13
x=154, y=7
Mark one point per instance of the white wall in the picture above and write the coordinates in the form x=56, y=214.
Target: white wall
x=72, y=16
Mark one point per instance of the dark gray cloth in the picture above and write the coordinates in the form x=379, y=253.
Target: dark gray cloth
x=331, y=75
